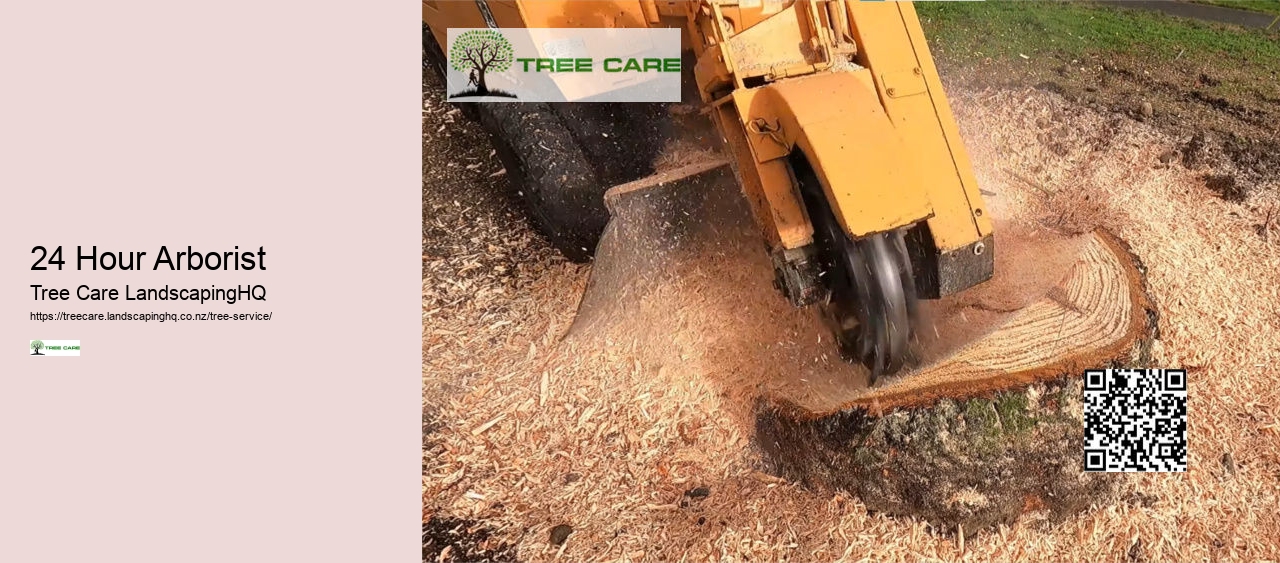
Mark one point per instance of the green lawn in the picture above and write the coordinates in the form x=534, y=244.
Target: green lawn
x=1006, y=30
x=1267, y=6
x=1193, y=76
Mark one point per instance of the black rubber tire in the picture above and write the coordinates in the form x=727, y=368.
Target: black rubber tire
x=432, y=55
x=433, y=60
x=620, y=140
x=549, y=172
x=546, y=167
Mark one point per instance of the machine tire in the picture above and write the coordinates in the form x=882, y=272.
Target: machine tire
x=620, y=140
x=434, y=60
x=432, y=56
x=550, y=174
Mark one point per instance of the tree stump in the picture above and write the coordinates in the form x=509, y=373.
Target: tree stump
x=994, y=428
x=985, y=426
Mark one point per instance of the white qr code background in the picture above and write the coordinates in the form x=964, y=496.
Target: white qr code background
x=1135, y=420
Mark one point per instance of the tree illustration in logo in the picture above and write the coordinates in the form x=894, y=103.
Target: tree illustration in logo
x=476, y=53
x=37, y=346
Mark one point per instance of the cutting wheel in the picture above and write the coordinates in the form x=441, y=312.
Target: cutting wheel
x=885, y=302
x=873, y=298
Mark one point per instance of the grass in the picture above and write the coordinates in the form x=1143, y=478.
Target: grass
x=1265, y=6
x=1009, y=30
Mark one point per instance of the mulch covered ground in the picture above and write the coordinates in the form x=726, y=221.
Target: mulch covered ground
x=542, y=448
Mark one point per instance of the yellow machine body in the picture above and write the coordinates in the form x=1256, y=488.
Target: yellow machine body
x=850, y=85
x=880, y=134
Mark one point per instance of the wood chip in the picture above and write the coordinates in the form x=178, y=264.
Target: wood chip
x=481, y=429
x=542, y=388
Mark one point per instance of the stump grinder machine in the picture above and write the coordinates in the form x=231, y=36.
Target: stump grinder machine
x=834, y=121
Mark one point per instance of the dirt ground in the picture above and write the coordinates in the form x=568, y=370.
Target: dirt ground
x=1219, y=117
x=542, y=448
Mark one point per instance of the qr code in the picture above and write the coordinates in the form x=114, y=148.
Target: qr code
x=1135, y=420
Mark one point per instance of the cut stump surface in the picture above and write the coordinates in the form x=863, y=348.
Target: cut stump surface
x=1092, y=315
